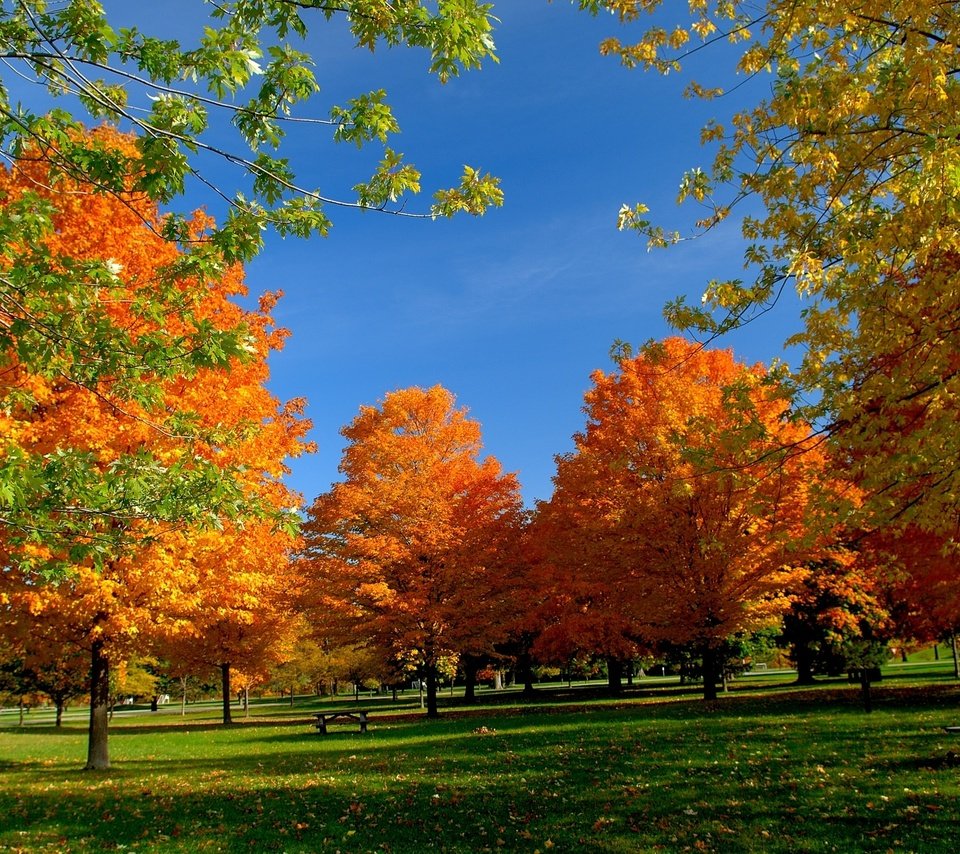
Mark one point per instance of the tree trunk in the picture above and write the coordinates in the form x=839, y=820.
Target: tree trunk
x=525, y=672
x=155, y=703
x=803, y=656
x=60, y=704
x=936, y=652
x=865, y=689
x=293, y=688
x=498, y=680
x=98, y=756
x=711, y=668
x=471, y=667
x=956, y=660
x=225, y=688
x=432, y=711
x=629, y=670
x=183, y=696
x=246, y=701
x=615, y=675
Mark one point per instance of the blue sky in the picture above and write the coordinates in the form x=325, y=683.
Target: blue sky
x=512, y=311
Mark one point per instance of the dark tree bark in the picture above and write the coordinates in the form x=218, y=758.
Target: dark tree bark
x=803, y=658
x=615, y=675
x=525, y=672
x=432, y=710
x=865, y=689
x=471, y=666
x=225, y=688
x=98, y=755
x=711, y=669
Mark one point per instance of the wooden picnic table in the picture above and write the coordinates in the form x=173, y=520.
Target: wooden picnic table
x=324, y=718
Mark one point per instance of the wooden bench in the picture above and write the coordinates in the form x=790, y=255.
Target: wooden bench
x=325, y=718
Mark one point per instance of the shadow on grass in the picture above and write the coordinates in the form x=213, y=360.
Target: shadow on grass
x=67, y=730
x=775, y=776
x=948, y=761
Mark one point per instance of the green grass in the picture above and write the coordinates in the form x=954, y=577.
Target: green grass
x=766, y=769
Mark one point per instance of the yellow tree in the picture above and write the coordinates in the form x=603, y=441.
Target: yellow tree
x=850, y=163
x=406, y=553
x=672, y=520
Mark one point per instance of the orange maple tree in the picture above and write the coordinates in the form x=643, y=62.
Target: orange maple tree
x=207, y=420
x=673, y=519
x=407, y=552
x=237, y=614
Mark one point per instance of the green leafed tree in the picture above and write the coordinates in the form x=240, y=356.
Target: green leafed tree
x=248, y=64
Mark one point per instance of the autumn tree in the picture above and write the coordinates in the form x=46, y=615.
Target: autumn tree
x=923, y=584
x=577, y=602
x=215, y=438
x=406, y=552
x=674, y=516
x=237, y=614
x=303, y=669
x=63, y=495
x=244, y=74
x=32, y=666
x=837, y=609
x=846, y=165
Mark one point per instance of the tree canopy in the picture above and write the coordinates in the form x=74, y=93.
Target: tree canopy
x=679, y=515
x=846, y=165
x=409, y=551
x=102, y=483
x=249, y=64
x=83, y=315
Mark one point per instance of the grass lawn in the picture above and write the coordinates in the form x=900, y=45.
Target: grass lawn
x=766, y=769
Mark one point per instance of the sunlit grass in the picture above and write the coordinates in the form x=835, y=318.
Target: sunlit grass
x=761, y=771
